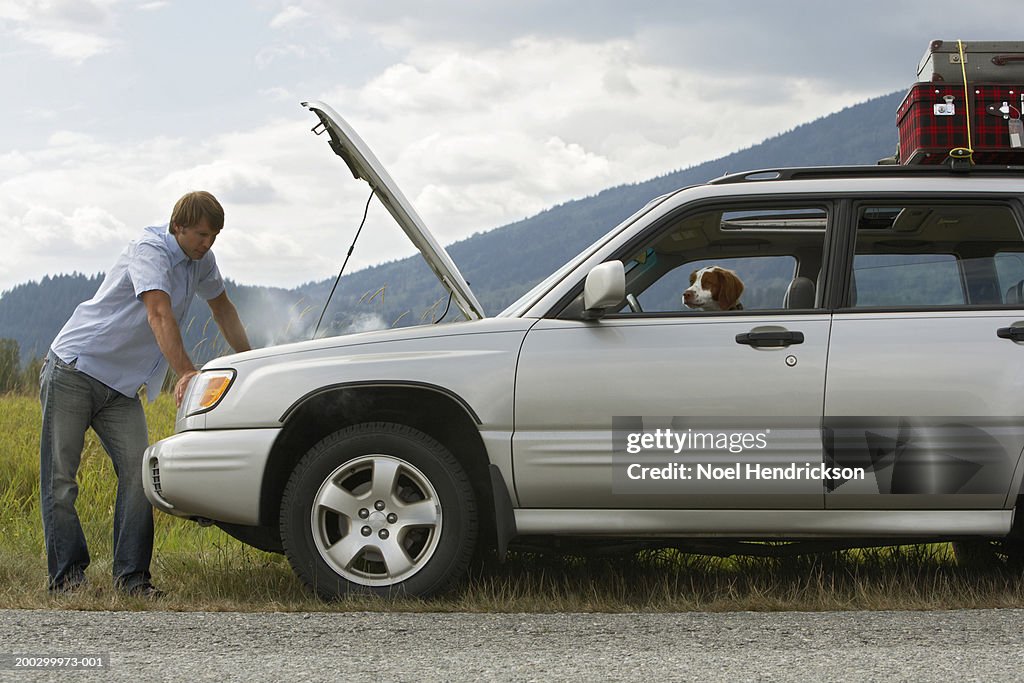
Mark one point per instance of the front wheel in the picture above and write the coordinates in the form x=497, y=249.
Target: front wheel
x=379, y=508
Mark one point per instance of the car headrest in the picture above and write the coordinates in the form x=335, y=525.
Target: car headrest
x=800, y=293
x=1015, y=294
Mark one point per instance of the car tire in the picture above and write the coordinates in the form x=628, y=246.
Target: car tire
x=379, y=508
x=982, y=554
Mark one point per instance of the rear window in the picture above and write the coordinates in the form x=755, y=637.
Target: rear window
x=920, y=255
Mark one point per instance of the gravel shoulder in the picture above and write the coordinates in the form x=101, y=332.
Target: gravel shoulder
x=738, y=646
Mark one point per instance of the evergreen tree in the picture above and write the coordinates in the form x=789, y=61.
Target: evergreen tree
x=10, y=366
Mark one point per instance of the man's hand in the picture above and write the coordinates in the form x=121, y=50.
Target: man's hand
x=182, y=386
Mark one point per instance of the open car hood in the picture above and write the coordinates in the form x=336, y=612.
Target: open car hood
x=364, y=165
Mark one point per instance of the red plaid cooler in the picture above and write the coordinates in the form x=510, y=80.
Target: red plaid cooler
x=932, y=121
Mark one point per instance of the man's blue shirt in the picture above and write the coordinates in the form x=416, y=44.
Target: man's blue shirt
x=109, y=338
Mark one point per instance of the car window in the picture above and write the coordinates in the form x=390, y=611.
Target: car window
x=931, y=255
x=1010, y=271
x=767, y=248
x=765, y=280
x=898, y=279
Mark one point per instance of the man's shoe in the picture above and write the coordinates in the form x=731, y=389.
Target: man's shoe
x=68, y=587
x=144, y=590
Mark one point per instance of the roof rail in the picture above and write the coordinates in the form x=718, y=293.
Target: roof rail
x=878, y=171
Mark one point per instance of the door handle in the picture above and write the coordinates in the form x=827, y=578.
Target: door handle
x=774, y=338
x=1013, y=333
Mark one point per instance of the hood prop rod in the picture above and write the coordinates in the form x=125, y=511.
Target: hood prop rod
x=351, y=248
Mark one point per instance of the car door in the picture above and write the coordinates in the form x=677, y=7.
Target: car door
x=721, y=391
x=926, y=362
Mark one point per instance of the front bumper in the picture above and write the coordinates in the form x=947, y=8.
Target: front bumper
x=216, y=474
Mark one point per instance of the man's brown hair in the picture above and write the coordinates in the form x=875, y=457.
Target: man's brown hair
x=194, y=207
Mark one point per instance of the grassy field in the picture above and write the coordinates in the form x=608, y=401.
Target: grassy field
x=204, y=569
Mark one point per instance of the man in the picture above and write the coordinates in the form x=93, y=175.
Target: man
x=114, y=344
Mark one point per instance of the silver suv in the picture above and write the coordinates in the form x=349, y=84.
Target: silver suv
x=863, y=388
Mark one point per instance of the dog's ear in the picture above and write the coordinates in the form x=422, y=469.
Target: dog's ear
x=730, y=288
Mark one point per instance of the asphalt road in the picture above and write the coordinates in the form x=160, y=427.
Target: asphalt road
x=982, y=645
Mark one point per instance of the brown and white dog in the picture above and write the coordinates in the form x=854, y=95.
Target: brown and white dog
x=714, y=289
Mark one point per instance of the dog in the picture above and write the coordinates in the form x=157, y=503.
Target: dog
x=714, y=289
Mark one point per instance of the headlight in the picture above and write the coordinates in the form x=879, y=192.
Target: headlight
x=206, y=390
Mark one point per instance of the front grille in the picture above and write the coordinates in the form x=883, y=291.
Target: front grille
x=154, y=474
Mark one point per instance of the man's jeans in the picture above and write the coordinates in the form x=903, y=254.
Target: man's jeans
x=72, y=402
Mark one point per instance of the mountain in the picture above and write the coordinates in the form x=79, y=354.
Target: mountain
x=501, y=264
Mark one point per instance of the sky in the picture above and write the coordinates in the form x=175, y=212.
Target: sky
x=484, y=113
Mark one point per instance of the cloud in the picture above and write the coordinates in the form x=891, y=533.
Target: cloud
x=41, y=234
x=484, y=113
x=480, y=138
x=59, y=12
x=73, y=204
x=289, y=15
x=278, y=94
x=84, y=228
x=70, y=45
x=770, y=40
x=69, y=139
x=436, y=81
x=72, y=30
x=291, y=205
x=230, y=180
x=475, y=138
x=278, y=52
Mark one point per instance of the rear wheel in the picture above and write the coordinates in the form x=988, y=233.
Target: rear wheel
x=379, y=508
x=986, y=554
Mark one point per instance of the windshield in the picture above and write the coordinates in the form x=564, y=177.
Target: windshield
x=520, y=305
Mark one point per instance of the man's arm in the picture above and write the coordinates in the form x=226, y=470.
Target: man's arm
x=168, y=338
x=226, y=317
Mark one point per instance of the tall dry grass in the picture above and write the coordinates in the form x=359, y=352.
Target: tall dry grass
x=204, y=569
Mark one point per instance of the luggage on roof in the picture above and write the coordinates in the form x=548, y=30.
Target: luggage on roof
x=984, y=61
x=932, y=121
x=966, y=106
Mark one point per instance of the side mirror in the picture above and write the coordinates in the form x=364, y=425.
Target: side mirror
x=605, y=287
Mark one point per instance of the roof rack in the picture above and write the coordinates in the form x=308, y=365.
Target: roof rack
x=879, y=171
